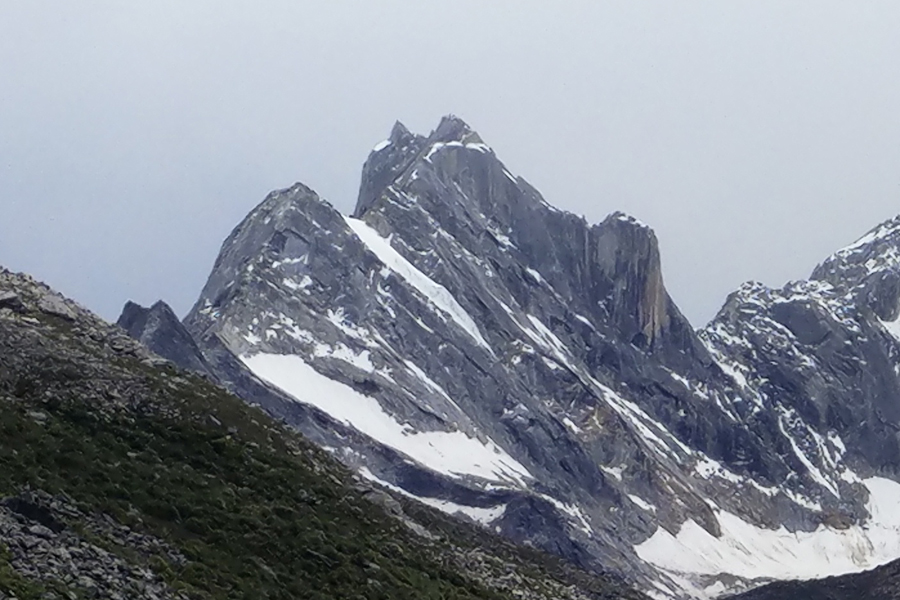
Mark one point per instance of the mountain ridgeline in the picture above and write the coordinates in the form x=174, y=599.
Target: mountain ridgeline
x=459, y=341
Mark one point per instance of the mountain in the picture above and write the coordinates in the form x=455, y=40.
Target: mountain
x=122, y=476
x=458, y=340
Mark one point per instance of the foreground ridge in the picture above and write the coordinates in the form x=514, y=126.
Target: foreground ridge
x=122, y=476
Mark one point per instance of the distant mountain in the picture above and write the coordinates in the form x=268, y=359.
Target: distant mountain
x=460, y=341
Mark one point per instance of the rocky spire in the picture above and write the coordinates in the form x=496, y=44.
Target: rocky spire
x=626, y=257
x=453, y=129
x=385, y=163
x=159, y=329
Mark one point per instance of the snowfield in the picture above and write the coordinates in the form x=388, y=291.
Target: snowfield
x=449, y=452
x=753, y=552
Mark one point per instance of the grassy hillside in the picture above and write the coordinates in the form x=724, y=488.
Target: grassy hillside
x=173, y=488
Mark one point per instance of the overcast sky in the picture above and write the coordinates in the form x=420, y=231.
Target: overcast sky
x=755, y=137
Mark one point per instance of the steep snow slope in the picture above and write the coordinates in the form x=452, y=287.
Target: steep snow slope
x=452, y=453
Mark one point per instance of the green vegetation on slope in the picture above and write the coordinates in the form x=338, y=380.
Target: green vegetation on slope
x=255, y=511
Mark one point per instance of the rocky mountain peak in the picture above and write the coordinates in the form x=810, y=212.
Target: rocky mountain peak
x=454, y=129
x=387, y=160
x=135, y=317
x=451, y=186
x=878, y=249
x=403, y=151
x=867, y=271
x=399, y=133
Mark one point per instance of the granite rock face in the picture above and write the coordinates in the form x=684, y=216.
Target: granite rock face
x=460, y=340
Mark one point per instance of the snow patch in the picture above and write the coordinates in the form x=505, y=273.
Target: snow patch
x=297, y=285
x=485, y=516
x=642, y=503
x=586, y=321
x=431, y=383
x=438, y=146
x=620, y=216
x=573, y=511
x=571, y=425
x=534, y=275
x=450, y=452
x=360, y=360
x=893, y=327
x=753, y=552
x=615, y=472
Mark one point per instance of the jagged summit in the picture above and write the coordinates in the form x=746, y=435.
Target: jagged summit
x=403, y=151
x=405, y=157
x=399, y=132
x=454, y=129
x=878, y=249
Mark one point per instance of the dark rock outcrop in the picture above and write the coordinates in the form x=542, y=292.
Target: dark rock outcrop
x=161, y=331
x=882, y=583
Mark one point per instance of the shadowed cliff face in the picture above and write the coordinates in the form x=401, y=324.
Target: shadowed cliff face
x=627, y=262
x=464, y=342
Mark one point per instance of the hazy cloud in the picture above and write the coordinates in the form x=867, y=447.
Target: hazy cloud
x=756, y=138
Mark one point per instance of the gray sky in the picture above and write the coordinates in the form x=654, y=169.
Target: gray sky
x=755, y=137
